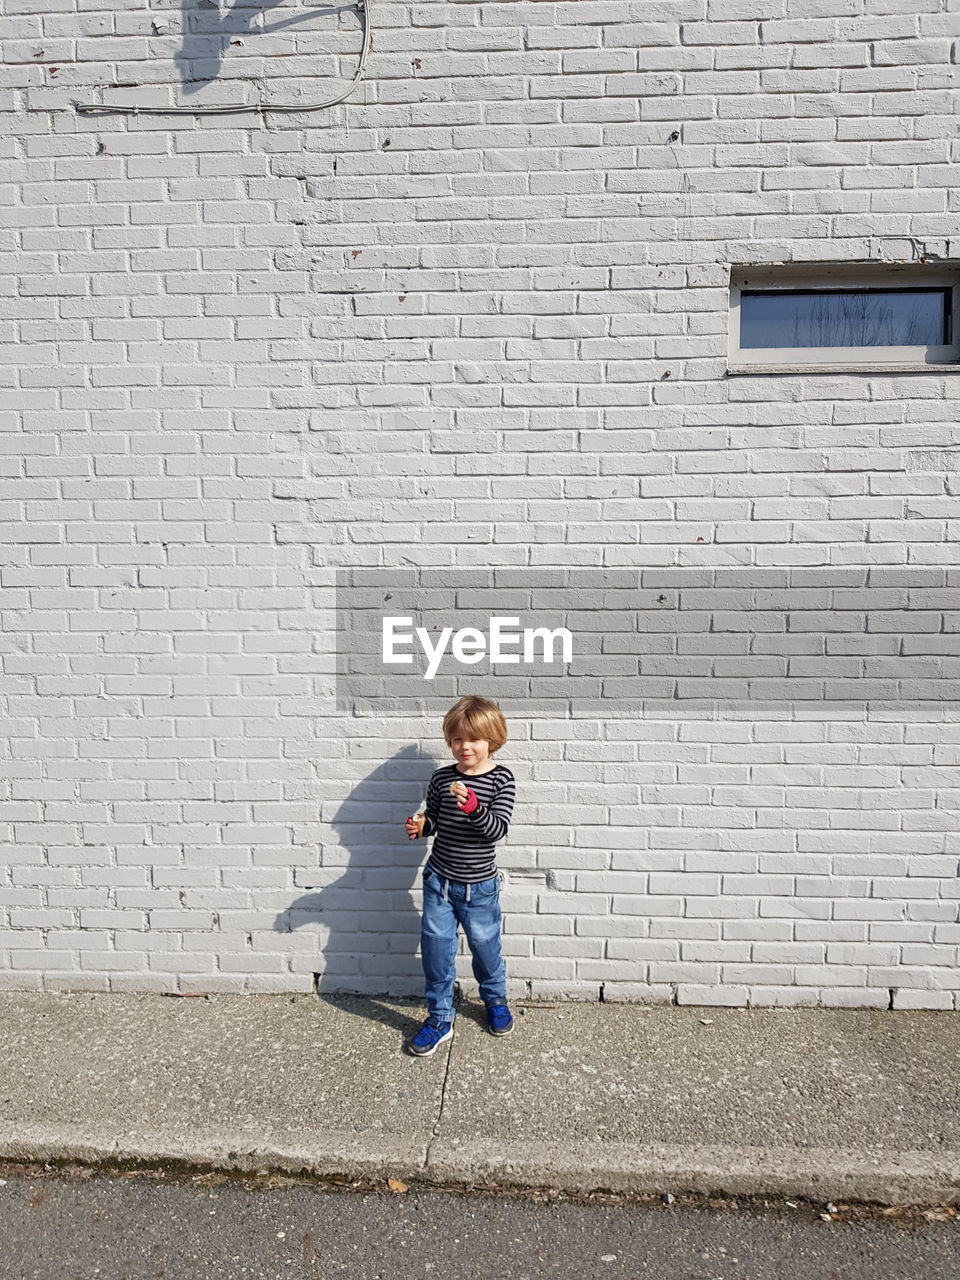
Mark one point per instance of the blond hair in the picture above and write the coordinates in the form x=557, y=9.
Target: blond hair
x=476, y=718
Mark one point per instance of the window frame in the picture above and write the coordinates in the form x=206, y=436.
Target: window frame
x=790, y=277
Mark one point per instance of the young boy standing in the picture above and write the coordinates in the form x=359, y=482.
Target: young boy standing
x=468, y=809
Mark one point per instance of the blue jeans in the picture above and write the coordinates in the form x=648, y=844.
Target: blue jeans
x=445, y=905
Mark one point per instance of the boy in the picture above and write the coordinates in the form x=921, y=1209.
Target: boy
x=468, y=809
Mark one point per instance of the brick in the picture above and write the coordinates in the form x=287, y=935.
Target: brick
x=477, y=316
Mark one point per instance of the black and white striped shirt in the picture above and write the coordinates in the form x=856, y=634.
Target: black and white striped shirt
x=464, y=843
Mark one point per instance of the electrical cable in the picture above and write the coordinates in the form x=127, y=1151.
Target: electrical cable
x=97, y=109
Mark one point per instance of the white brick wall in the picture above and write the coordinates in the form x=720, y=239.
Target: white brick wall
x=476, y=315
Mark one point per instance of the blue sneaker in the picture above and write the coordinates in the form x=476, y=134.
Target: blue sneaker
x=429, y=1036
x=499, y=1019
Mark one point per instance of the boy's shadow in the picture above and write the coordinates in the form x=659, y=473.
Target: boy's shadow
x=206, y=33
x=369, y=913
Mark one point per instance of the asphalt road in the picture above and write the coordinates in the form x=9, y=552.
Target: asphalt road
x=57, y=1225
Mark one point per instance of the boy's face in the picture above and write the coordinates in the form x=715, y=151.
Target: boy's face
x=470, y=752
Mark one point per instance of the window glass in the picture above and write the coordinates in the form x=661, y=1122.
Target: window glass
x=845, y=318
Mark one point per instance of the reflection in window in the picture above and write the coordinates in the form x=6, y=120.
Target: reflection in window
x=845, y=318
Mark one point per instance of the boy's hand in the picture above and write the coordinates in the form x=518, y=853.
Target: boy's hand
x=467, y=800
x=414, y=827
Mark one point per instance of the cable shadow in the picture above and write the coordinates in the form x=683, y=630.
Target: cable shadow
x=207, y=33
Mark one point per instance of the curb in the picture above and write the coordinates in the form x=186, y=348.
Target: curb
x=814, y=1173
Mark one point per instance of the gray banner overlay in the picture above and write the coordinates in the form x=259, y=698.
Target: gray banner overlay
x=651, y=641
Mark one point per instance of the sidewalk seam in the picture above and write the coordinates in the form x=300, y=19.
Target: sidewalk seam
x=446, y=1076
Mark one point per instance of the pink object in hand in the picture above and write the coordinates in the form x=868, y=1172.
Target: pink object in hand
x=472, y=802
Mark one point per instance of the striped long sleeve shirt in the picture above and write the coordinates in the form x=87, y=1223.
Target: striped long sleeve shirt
x=464, y=843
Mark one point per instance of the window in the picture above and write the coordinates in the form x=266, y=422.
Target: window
x=868, y=316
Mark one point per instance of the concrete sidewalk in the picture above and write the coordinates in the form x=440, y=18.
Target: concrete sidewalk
x=824, y=1103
